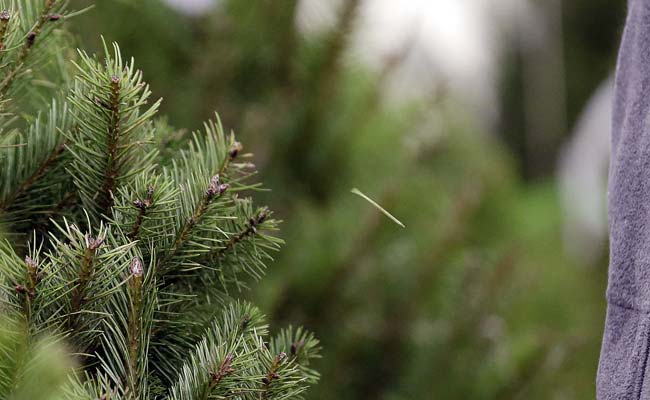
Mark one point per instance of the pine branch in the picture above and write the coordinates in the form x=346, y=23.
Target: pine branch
x=85, y=275
x=214, y=192
x=134, y=331
x=111, y=147
x=24, y=286
x=220, y=365
x=248, y=247
x=128, y=329
x=281, y=376
x=40, y=172
x=31, y=168
x=85, y=270
x=204, y=215
x=145, y=209
x=301, y=346
x=249, y=229
x=33, y=25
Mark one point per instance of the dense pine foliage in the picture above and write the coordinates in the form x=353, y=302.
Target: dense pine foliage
x=118, y=267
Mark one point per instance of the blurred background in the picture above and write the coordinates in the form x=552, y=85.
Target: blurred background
x=483, y=125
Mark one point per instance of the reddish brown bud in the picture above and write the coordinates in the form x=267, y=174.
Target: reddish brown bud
x=31, y=38
x=261, y=217
x=92, y=243
x=139, y=204
x=235, y=148
x=54, y=17
x=5, y=15
x=213, y=188
x=296, y=346
x=142, y=204
x=136, y=267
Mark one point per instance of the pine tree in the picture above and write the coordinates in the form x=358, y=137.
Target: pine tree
x=125, y=264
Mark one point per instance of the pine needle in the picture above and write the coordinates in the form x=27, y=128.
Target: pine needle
x=380, y=208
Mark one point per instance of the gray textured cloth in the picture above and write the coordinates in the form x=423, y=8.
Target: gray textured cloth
x=623, y=369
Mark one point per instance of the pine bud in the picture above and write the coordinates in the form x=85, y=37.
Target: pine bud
x=31, y=264
x=228, y=361
x=54, y=17
x=32, y=270
x=266, y=380
x=234, y=150
x=282, y=356
x=214, y=184
x=20, y=288
x=136, y=267
x=215, y=188
x=261, y=217
x=115, y=79
x=296, y=347
x=245, y=321
x=142, y=204
x=92, y=243
x=5, y=15
x=31, y=38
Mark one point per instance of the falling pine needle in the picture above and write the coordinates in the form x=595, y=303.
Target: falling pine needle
x=380, y=208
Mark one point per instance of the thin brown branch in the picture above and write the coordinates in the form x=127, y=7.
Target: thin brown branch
x=110, y=177
x=215, y=190
x=43, y=168
x=142, y=206
x=85, y=275
x=272, y=375
x=134, y=324
x=249, y=230
x=225, y=368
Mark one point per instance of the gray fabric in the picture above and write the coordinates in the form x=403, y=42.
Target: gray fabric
x=623, y=369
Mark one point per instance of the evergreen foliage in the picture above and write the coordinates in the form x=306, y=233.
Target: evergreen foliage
x=128, y=261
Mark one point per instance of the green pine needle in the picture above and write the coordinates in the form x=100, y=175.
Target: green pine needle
x=377, y=206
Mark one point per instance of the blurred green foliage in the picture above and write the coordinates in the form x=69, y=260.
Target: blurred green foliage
x=38, y=369
x=474, y=299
